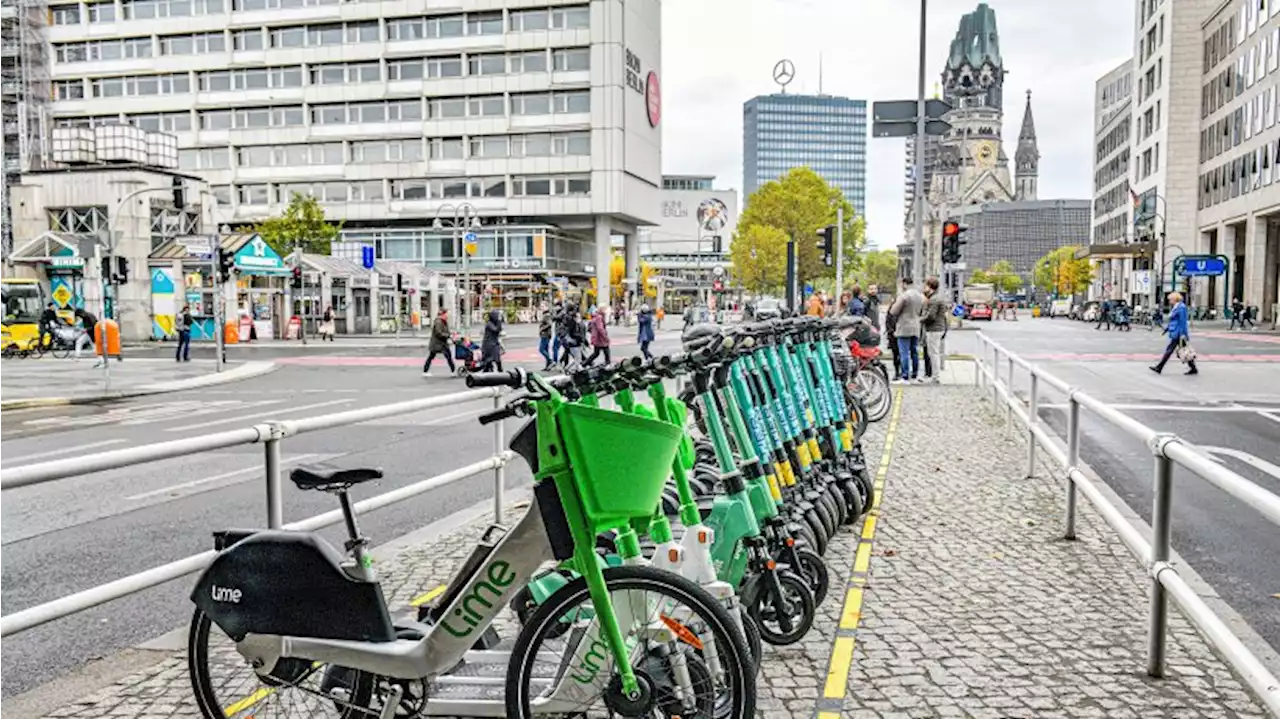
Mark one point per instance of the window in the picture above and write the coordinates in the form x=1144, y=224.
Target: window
x=142, y=85
x=341, y=74
x=446, y=107
x=376, y=151
x=367, y=112
x=68, y=90
x=405, y=69
x=571, y=18
x=288, y=37
x=252, y=194
x=102, y=12
x=78, y=220
x=571, y=102
x=357, y=32
x=148, y=9
x=66, y=14
x=495, y=64
x=538, y=186
x=489, y=147
x=528, y=62
x=205, y=158
x=571, y=59
x=215, y=119
x=527, y=20
x=444, y=67
x=197, y=44
x=413, y=28
x=368, y=191
x=162, y=122
x=252, y=118
x=446, y=148
x=490, y=106
x=96, y=50
x=445, y=26
x=222, y=193
x=321, y=35
x=247, y=40
x=250, y=5
x=484, y=23
x=535, y=104
x=1159, y=73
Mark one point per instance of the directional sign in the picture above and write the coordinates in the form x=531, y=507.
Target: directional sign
x=905, y=110
x=197, y=245
x=1201, y=266
x=366, y=257
x=469, y=243
x=908, y=129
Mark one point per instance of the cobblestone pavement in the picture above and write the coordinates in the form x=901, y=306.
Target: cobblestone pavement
x=970, y=607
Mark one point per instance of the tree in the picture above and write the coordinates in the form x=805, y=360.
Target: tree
x=759, y=257
x=879, y=268
x=646, y=275
x=617, y=274
x=301, y=225
x=798, y=204
x=1059, y=273
x=1004, y=277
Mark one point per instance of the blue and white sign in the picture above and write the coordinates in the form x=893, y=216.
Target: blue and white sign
x=1202, y=266
x=257, y=258
x=366, y=257
x=957, y=311
x=469, y=237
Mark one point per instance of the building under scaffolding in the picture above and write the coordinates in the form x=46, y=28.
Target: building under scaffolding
x=24, y=97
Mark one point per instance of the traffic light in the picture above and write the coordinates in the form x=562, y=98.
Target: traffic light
x=179, y=193
x=122, y=269
x=296, y=281
x=951, y=241
x=226, y=263
x=106, y=268
x=399, y=282
x=828, y=244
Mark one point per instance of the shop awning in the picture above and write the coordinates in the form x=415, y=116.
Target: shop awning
x=58, y=249
x=253, y=256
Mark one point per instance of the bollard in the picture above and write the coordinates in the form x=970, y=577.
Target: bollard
x=499, y=471
x=1033, y=411
x=1161, y=508
x=1073, y=458
x=275, y=511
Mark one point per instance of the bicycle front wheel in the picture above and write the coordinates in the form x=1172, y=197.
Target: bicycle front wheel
x=685, y=650
x=61, y=350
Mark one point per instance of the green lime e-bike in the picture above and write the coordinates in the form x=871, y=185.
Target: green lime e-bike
x=284, y=625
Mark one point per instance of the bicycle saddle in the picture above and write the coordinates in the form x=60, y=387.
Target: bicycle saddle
x=328, y=476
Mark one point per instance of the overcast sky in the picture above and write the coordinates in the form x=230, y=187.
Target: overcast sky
x=716, y=54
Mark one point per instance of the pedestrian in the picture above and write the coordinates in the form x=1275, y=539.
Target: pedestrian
x=891, y=335
x=182, y=324
x=815, y=306
x=1250, y=313
x=439, y=344
x=906, y=309
x=570, y=336
x=544, y=339
x=88, y=321
x=659, y=315
x=491, y=345
x=934, y=325
x=1179, y=336
x=872, y=304
x=1104, y=315
x=599, y=337
x=856, y=306
x=1237, y=313
x=644, y=335
x=326, y=324
x=688, y=317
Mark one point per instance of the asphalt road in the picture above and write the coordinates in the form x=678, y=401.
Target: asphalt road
x=1231, y=410
x=63, y=537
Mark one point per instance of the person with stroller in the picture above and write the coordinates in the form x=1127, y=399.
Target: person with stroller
x=439, y=343
x=491, y=346
x=464, y=351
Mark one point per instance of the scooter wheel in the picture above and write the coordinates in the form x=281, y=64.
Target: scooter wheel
x=820, y=535
x=868, y=490
x=814, y=571
x=764, y=610
x=837, y=501
x=804, y=532
x=852, y=496
x=825, y=515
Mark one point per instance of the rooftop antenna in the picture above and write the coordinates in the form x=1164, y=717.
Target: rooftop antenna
x=819, y=72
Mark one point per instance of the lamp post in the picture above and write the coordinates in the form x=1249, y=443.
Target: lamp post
x=466, y=216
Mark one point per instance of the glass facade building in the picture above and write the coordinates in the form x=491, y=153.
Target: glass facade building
x=824, y=133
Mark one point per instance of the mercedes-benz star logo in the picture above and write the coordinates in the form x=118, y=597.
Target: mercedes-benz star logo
x=783, y=73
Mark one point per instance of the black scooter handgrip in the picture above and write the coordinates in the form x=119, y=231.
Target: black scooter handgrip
x=514, y=379
x=501, y=414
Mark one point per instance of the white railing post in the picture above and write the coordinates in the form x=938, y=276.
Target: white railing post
x=995, y=377
x=275, y=508
x=1008, y=418
x=1161, y=511
x=499, y=469
x=1073, y=460
x=1033, y=411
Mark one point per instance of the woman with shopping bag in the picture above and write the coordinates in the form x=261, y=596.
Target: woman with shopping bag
x=1179, y=337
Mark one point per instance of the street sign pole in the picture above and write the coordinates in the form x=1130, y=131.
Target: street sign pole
x=219, y=310
x=917, y=262
x=839, y=257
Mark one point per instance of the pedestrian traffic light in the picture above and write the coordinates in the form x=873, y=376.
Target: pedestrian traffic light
x=122, y=269
x=296, y=280
x=827, y=245
x=179, y=193
x=399, y=282
x=106, y=268
x=226, y=263
x=951, y=241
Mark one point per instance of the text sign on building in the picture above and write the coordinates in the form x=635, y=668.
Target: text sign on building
x=1202, y=266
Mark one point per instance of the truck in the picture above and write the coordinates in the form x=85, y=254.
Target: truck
x=978, y=301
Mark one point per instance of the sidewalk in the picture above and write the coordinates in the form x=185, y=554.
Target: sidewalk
x=963, y=600
x=48, y=381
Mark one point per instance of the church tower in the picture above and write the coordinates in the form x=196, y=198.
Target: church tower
x=1027, y=158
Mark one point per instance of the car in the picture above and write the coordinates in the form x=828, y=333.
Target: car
x=1060, y=308
x=768, y=308
x=979, y=311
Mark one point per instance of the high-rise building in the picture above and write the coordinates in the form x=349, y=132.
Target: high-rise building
x=1112, y=243
x=825, y=133
x=24, y=94
x=543, y=120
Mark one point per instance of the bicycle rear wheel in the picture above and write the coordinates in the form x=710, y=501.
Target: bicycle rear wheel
x=60, y=349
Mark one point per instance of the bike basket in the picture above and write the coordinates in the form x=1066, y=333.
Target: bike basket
x=620, y=461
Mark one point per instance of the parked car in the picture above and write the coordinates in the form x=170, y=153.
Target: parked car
x=978, y=311
x=768, y=308
x=1060, y=308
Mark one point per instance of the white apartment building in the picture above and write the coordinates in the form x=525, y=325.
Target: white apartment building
x=403, y=117
x=1112, y=242
x=1164, y=155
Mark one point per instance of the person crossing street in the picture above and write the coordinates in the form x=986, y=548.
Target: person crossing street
x=1179, y=337
x=644, y=335
x=491, y=346
x=599, y=337
x=439, y=343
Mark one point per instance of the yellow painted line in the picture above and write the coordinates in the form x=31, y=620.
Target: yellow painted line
x=838, y=674
x=248, y=701
x=426, y=597
x=852, y=612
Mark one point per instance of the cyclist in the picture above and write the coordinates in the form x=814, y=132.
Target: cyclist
x=48, y=320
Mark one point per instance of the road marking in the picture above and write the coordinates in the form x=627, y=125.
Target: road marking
x=64, y=450
x=214, y=478
x=427, y=596
x=255, y=415
x=1271, y=415
x=1249, y=459
x=221, y=407
x=831, y=705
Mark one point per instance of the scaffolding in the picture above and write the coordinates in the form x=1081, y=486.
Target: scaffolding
x=25, y=91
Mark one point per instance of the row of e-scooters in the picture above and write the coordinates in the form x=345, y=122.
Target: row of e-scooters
x=770, y=468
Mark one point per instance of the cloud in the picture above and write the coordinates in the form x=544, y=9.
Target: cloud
x=717, y=54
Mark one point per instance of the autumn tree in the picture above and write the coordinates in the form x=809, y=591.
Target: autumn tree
x=797, y=205
x=301, y=225
x=1059, y=273
x=879, y=268
x=759, y=257
x=649, y=287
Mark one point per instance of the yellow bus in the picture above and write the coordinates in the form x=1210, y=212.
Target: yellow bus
x=23, y=302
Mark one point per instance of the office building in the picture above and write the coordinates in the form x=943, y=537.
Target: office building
x=1117, y=252
x=1238, y=195
x=825, y=133
x=405, y=120
x=1022, y=232
x=688, y=250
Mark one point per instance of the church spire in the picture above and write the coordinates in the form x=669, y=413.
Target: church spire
x=1027, y=158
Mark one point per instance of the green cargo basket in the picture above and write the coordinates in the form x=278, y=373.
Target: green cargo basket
x=621, y=461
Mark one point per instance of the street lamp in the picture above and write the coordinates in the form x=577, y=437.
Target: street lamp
x=465, y=215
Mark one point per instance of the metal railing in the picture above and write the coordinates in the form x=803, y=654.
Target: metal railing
x=270, y=435
x=1168, y=450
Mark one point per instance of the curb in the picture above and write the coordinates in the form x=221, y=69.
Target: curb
x=245, y=371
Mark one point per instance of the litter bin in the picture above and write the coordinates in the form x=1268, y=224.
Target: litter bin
x=231, y=333
x=111, y=344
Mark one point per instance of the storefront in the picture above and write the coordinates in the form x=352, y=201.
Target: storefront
x=54, y=259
